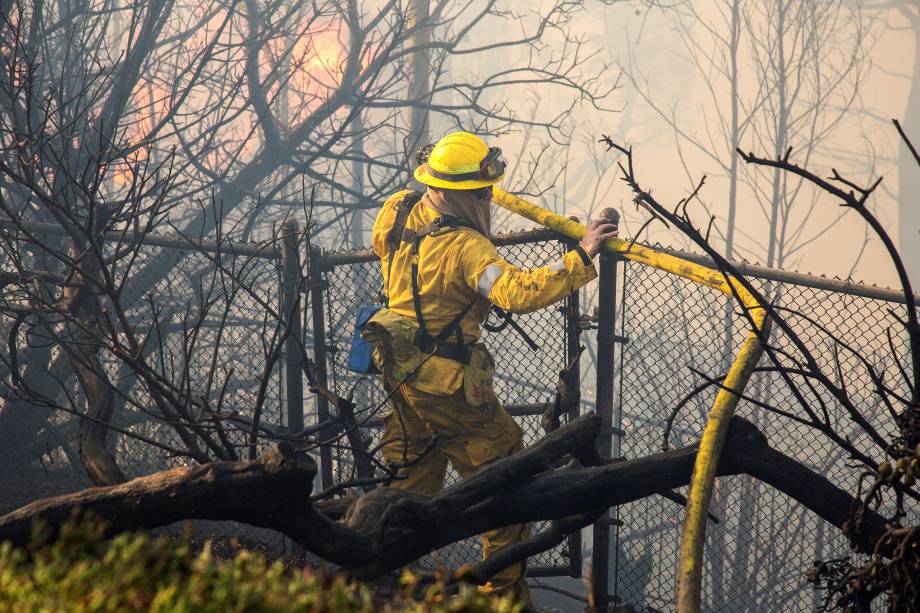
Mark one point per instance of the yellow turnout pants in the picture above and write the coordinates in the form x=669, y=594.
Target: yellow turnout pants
x=468, y=437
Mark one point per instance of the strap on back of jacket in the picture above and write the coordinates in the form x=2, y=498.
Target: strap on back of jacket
x=395, y=235
x=405, y=206
x=425, y=341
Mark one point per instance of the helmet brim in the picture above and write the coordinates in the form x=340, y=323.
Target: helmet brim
x=422, y=176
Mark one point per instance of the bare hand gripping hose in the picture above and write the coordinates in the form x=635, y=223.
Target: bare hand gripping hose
x=689, y=577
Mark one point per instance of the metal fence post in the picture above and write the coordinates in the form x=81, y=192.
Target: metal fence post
x=606, y=340
x=572, y=311
x=290, y=297
x=317, y=287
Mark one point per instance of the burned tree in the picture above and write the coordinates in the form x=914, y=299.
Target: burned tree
x=388, y=528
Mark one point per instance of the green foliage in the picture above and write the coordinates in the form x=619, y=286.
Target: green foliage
x=82, y=571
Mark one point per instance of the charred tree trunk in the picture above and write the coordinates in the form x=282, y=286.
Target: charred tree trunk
x=99, y=462
x=82, y=301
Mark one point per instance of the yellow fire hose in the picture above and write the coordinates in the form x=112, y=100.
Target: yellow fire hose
x=689, y=577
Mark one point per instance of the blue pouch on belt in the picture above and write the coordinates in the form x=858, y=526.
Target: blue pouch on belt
x=361, y=355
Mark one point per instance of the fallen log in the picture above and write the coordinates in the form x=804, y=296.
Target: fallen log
x=388, y=528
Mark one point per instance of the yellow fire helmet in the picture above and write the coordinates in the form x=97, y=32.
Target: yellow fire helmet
x=461, y=160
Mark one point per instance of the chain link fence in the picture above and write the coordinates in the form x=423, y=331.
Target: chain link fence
x=227, y=361
x=206, y=317
x=758, y=554
x=228, y=296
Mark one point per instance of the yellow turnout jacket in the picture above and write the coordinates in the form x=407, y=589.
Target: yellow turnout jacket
x=454, y=266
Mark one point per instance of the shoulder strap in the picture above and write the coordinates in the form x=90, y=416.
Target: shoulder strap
x=395, y=235
x=405, y=206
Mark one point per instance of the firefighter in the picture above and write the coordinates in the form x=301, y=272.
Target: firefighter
x=441, y=276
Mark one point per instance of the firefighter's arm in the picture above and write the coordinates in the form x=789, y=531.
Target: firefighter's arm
x=519, y=290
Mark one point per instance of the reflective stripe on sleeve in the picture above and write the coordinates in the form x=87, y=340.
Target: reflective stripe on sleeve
x=487, y=279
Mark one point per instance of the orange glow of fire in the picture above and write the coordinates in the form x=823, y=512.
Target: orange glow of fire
x=309, y=73
x=151, y=101
x=313, y=67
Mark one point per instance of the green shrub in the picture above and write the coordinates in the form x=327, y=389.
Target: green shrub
x=84, y=571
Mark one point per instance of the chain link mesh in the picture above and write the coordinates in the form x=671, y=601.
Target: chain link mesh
x=757, y=556
x=523, y=376
x=230, y=347
x=204, y=326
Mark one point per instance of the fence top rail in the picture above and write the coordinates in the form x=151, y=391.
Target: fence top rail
x=268, y=249
x=797, y=278
x=361, y=256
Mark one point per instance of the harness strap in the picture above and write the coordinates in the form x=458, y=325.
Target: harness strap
x=425, y=341
x=396, y=235
x=456, y=351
